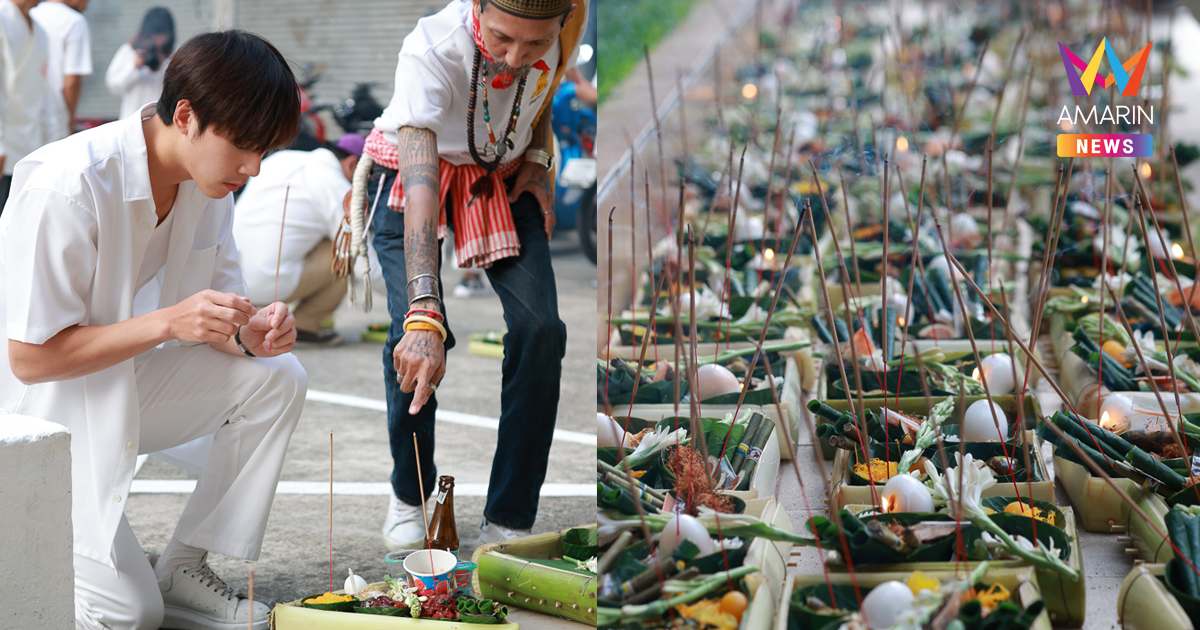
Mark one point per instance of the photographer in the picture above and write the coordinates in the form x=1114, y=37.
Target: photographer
x=136, y=71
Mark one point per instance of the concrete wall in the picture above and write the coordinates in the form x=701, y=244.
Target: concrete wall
x=349, y=41
x=36, y=571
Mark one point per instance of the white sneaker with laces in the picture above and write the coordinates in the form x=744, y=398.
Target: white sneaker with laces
x=196, y=599
x=490, y=532
x=404, y=527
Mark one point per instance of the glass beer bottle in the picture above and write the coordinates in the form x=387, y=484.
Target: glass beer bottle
x=442, y=532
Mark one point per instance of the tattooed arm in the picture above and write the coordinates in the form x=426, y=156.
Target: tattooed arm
x=420, y=356
x=534, y=178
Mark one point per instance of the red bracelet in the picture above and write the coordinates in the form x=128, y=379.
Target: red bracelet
x=435, y=314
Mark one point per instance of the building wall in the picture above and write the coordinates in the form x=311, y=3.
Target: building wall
x=348, y=41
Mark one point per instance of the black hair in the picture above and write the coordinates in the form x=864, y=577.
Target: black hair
x=237, y=83
x=157, y=21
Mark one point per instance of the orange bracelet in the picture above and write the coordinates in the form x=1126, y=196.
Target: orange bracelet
x=421, y=326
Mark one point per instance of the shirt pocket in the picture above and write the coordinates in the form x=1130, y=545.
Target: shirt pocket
x=197, y=271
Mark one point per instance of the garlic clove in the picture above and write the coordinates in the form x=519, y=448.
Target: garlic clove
x=355, y=584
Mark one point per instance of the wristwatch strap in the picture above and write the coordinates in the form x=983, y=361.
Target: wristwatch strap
x=237, y=336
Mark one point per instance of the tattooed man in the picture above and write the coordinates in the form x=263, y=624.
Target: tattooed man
x=465, y=145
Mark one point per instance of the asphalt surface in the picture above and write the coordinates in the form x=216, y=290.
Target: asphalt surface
x=295, y=560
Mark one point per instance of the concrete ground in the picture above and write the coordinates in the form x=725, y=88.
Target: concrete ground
x=295, y=555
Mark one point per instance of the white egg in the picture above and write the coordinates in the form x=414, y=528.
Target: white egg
x=1115, y=412
x=903, y=493
x=963, y=224
x=940, y=262
x=608, y=432
x=979, y=425
x=716, y=380
x=997, y=370
x=1157, y=248
x=683, y=527
x=882, y=607
x=355, y=584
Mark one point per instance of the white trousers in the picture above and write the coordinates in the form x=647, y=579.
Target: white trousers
x=250, y=407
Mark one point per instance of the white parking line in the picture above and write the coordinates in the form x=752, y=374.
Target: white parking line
x=453, y=417
x=185, y=486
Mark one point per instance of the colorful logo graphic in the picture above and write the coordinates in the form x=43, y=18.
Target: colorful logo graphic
x=1128, y=76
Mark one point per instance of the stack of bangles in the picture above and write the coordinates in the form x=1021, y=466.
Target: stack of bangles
x=424, y=319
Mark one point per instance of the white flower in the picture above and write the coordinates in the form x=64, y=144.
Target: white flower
x=708, y=305
x=654, y=442
x=1145, y=341
x=590, y=565
x=728, y=543
x=976, y=477
x=609, y=528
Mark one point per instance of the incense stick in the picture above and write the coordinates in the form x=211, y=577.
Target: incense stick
x=331, y=511
x=279, y=256
x=250, y=621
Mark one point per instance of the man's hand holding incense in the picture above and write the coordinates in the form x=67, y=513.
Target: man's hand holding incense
x=420, y=362
x=271, y=332
x=534, y=178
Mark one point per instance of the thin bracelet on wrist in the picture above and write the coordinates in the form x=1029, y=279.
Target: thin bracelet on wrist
x=237, y=337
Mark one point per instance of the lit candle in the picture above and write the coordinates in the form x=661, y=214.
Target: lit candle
x=1176, y=252
x=901, y=144
x=1115, y=412
x=749, y=91
x=1145, y=170
x=903, y=493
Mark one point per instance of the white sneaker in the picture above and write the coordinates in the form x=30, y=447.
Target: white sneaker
x=490, y=532
x=196, y=599
x=472, y=286
x=404, y=527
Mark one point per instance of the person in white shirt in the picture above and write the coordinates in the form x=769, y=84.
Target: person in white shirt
x=28, y=113
x=126, y=321
x=136, y=71
x=314, y=184
x=70, y=52
x=465, y=143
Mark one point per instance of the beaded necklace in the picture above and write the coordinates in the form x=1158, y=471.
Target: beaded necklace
x=502, y=146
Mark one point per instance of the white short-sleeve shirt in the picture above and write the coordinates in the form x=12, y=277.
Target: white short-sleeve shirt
x=314, y=213
x=433, y=87
x=70, y=41
x=73, y=238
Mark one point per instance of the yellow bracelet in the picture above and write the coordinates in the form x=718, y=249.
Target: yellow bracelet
x=421, y=326
x=412, y=319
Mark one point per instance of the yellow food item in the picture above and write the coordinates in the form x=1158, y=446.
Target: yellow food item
x=880, y=470
x=918, y=581
x=735, y=603
x=329, y=598
x=1113, y=348
x=993, y=596
x=709, y=614
x=1017, y=507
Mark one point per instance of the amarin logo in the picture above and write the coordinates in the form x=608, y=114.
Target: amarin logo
x=1128, y=76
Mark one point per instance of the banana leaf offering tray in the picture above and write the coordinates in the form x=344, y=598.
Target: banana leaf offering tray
x=989, y=598
x=552, y=573
x=389, y=604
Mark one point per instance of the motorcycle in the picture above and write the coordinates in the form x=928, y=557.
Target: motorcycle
x=357, y=114
x=574, y=125
x=311, y=134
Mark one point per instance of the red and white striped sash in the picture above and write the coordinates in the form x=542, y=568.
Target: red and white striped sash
x=484, y=232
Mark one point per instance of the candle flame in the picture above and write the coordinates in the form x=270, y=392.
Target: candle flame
x=975, y=375
x=1083, y=298
x=1067, y=125
x=899, y=321
x=901, y=144
x=1176, y=252
x=749, y=91
x=1104, y=423
x=1145, y=170
x=769, y=254
x=884, y=504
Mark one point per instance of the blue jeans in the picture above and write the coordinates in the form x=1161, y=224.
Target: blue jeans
x=533, y=351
